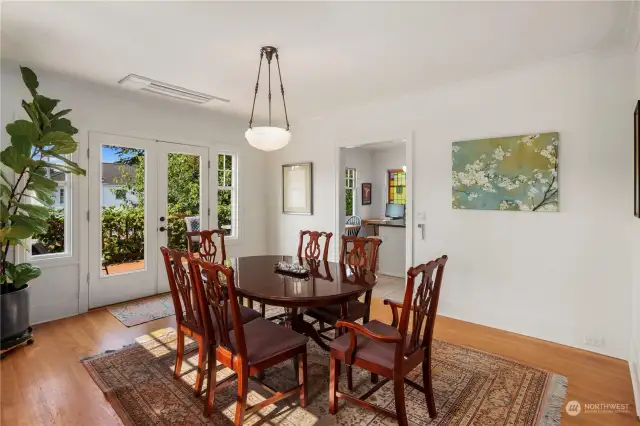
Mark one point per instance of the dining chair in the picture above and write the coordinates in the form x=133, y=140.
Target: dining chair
x=249, y=348
x=354, y=251
x=209, y=245
x=203, y=243
x=355, y=224
x=311, y=251
x=391, y=350
x=188, y=316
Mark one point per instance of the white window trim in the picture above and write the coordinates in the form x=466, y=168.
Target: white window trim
x=235, y=223
x=353, y=190
x=57, y=259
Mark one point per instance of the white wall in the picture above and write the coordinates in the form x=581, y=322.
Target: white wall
x=635, y=238
x=555, y=276
x=62, y=290
x=384, y=160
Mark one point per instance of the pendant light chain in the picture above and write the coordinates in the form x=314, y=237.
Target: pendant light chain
x=269, y=62
x=282, y=90
x=255, y=95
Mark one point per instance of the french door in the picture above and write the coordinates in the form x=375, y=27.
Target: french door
x=142, y=194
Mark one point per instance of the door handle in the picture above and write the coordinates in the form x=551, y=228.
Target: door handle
x=162, y=229
x=161, y=218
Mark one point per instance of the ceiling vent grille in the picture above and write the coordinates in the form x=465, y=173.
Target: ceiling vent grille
x=164, y=89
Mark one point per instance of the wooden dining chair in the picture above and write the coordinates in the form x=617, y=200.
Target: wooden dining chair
x=311, y=250
x=354, y=251
x=203, y=243
x=209, y=245
x=390, y=350
x=188, y=316
x=248, y=348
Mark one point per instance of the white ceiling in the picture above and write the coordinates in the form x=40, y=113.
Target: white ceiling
x=332, y=54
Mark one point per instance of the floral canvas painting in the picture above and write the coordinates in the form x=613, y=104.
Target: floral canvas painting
x=517, y=173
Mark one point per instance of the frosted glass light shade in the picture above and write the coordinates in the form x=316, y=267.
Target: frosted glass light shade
x=268, y=138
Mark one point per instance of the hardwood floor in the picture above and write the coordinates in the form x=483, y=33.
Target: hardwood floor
x=44, y=384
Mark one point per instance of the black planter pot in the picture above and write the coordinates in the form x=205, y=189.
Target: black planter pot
x=14, y=314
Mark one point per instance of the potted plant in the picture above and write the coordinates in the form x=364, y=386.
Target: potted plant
x=41, y=143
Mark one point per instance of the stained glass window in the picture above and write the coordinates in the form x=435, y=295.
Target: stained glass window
x=397, y=186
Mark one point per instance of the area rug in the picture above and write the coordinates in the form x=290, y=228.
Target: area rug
x=471, y=388
x=143, y=310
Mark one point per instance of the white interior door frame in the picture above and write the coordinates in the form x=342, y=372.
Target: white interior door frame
x=408, y=138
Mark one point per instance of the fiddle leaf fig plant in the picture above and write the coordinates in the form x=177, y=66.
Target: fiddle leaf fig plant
x=38, y=146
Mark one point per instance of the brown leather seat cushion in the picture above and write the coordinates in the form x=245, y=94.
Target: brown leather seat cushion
x=330, y=314
x=265, y=340
x=371, y=350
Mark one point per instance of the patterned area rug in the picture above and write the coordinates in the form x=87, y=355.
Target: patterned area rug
x=144, y=310
x=471, y=388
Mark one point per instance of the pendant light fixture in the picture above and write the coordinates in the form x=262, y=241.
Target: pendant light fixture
x=268, y=138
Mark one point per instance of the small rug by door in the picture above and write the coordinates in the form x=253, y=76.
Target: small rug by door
x=471, y=388
x=143, y=310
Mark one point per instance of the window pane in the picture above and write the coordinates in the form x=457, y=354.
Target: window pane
x=220, y=178
x=224, y=210
x=228, y=179
x=122, y=209
x=183, y=197
x=220, y=162
x=228, y=161
x=53, y=240
x=349, y=202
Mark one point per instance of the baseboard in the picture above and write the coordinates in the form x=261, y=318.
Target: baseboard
x=634, y=369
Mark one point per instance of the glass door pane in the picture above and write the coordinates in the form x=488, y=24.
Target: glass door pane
x=122, y=209
x=183, y=201
x=183, y=198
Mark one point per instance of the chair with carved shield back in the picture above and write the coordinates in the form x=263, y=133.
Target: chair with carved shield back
x=209, y=246
x=312, y=249
x=188, y=318
x=390, y=350
x=247, y=349
x=185, y=303
x=354, y=251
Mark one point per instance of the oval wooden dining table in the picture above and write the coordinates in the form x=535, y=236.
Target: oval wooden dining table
x=328, y=283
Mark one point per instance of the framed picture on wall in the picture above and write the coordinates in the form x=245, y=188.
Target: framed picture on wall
x=366, y=194
x=297, y=188
x=636, y=162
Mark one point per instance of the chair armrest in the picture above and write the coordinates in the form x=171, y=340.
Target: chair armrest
x=394, y=310
x=353, y=328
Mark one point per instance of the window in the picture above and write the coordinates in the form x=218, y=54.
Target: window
x=350, y=192
x=55, y=242
x=397, y=186
x=227, y=193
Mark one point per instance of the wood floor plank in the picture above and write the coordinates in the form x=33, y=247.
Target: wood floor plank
x=44, y=384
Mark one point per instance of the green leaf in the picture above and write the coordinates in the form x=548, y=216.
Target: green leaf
x=41, y=182
x=34, y=210
x=37, y=226
x=5, y=191
x=30, y=80
x=13, y=159
x=25, y=272
x=18, y=232
x=72, y=167
x=32, y=112
x=45, y=197
x=60, y=113
x=44, y=119
x=62, y=125
x=46, y=104
x=62, y=143
x=4, y=211
x=23, y=135
x=6, y=179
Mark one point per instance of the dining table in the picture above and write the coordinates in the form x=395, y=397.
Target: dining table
x=327, y=283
